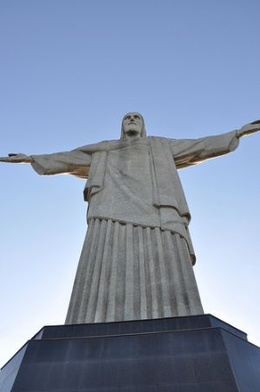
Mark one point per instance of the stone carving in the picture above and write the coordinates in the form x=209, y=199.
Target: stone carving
x=137, y=258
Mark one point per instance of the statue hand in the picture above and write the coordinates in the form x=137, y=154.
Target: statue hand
x=249, y=128
x=17, y=158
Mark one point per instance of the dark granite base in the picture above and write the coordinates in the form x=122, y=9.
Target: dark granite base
x=182, y=354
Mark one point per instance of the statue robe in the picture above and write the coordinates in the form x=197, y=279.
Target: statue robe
x=136, y=261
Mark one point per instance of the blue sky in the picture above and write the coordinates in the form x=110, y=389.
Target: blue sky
x=69, y=71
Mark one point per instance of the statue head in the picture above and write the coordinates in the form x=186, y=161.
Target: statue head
x=132, y=126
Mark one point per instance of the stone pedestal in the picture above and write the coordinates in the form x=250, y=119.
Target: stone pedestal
x=182, y=354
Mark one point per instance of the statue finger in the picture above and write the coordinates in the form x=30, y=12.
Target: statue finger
x=5, y=159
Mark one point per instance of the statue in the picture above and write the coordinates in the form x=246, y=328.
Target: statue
x=137, y=258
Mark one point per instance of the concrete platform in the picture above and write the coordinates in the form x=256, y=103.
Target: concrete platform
x=182, y=354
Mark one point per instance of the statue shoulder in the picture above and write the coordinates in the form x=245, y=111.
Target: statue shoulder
x=104, y=145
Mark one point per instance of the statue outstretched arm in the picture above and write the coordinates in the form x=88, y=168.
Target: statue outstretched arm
x=187, y=152
x=73, y=162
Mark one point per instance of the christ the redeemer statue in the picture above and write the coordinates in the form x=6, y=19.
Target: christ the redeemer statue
x=137, y=258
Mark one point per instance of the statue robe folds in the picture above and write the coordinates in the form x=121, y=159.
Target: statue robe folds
x=136, y=261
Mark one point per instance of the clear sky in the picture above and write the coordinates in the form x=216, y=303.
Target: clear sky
x=69, y=71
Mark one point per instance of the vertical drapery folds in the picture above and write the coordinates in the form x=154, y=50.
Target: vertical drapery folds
x=129, y=272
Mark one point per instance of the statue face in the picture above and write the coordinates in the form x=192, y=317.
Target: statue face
x=132, y=125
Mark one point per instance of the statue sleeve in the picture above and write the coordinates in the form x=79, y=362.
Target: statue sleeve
x=187, y=152
x=75, y=162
